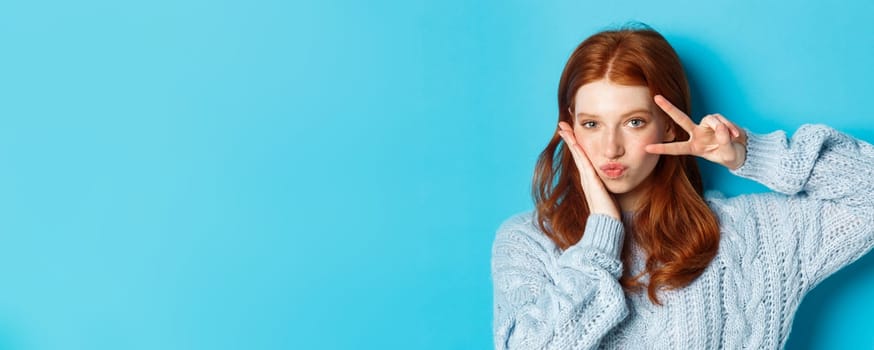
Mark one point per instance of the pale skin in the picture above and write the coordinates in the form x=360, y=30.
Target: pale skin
x=618, y=136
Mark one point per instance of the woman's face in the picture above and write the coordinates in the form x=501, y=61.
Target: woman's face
x=613, y=123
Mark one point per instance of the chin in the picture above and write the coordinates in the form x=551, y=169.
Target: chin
x=618, y=189
x=621, y=185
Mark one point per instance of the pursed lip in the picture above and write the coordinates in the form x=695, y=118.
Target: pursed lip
x=613, y=170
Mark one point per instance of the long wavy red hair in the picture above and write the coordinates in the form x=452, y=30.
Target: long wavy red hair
x=674, y=226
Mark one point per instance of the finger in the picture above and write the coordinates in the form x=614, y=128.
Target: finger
x=568, y=137
x=735, y=131
x=588, y=176
x=710, y=121
x=675, y=113
x=722, y=135
x=593, y=188
x=576, y=149
x=674, y=149
x=571, y=144
x=581, y=160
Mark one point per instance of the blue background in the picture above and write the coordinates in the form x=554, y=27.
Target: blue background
x=329, y=175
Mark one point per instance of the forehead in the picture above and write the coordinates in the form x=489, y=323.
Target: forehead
x=605, y=98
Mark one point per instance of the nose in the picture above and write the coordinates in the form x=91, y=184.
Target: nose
x=613, y=147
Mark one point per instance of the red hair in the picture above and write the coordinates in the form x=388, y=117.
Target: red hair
x=673, y=225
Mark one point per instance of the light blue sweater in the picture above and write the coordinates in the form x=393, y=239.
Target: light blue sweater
x=774, y=248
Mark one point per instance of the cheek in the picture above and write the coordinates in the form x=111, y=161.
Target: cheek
x=588, y=144
x=648, y=139
x=585, y=142
x=638, y=146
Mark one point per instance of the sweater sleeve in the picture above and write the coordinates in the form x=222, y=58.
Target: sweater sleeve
x=567, y=303
x=829, y=179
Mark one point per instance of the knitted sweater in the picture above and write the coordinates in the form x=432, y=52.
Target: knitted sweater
x=774, y=248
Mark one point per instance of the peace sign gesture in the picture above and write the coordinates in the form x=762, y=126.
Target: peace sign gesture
x=715, y=139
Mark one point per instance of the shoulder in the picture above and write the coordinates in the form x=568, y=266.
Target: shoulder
x=522, y=220
x=521, y=229
x=742, y=206
x=747, y=218
x=757, y=204
x=746, y=214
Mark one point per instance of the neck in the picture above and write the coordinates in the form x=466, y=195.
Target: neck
x=628, y=202
x=631, y=200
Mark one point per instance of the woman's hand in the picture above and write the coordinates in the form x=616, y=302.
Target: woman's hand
x=600, y=201
x=715, y=139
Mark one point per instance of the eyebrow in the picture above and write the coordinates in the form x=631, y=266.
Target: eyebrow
x=639, y=110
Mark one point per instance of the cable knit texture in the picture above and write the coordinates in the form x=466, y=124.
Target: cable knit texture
x=774, y=248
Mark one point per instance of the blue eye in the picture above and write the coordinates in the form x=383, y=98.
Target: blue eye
x=588, y=124
x=636, y=123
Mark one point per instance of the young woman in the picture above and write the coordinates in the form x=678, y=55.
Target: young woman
x=623, y=251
